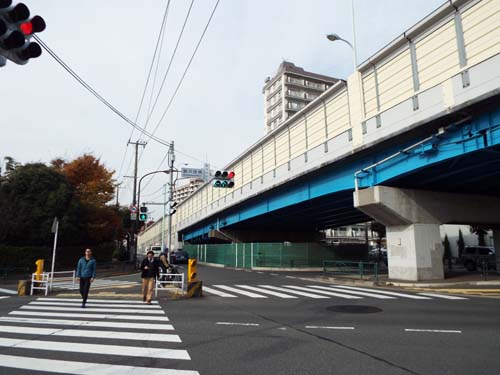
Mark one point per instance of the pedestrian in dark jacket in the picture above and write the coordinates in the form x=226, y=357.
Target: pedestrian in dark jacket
x=85, y=271
x=150, y=272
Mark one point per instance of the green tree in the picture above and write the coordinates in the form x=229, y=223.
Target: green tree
x=480, y=232
x=380, y=230
x=31, y=196
x=460, y=243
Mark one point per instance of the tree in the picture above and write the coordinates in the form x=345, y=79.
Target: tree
x=93, y=183
x=31, y=196
x=480, y=232
x=10, y=164
x=447, y=250
x=94, y=187
x=460, y=243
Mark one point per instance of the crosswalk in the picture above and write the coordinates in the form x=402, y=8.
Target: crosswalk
x=97, y=284
x=92, y=340
x=324, y=291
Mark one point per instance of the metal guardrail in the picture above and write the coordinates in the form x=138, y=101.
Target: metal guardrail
x=61, y=280
x=42, y=281
x=169, y=278
x=487, y=266
x=361, y=269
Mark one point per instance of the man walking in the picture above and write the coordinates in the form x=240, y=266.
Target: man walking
x=150, y=272
x=85, y=271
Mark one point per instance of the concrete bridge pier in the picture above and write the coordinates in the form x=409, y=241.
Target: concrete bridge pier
x=413, y=217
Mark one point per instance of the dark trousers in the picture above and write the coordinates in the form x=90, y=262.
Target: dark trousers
x=84, y=287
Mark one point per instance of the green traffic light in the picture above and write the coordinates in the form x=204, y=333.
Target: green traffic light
x=143, y=217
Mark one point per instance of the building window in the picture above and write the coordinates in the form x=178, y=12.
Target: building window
x=295, y=81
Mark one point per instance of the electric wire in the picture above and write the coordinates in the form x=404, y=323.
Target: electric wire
x=97, y=95
x=187, y=67
x=160, y=34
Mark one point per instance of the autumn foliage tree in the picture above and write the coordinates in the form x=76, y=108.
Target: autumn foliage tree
x=94, y=187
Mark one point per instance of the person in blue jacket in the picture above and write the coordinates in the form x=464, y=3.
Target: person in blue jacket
x=85, y=271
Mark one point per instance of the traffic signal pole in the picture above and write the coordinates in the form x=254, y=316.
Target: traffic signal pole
x=133, y=252
x=171, y=160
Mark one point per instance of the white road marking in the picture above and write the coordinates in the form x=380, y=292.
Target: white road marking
x=8, y=291
x=238, y=291
x=217, y=292
x=262, y=290
x=117, y=335
x=77, y=304
x=131, y=351
x=411, y=296
x=351, y=292
x=90, y=316
x=259, y=272
x=441, y=296
x=89, y=323
x=290, y=277
x=95, y=300
x=327, y=327
x=91, y=309
x=432, y=330
x=347, y=296
x=3, y=297
x=237, y=324
x=83, y=368
x=274, y=274
x=293, y=291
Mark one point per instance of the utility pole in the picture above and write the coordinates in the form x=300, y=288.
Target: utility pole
x=133, y=252
x=118, y=187
x=171, y=160
x=163, y=220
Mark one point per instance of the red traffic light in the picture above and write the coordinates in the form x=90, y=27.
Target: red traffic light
x=230, y=175
x=35, y=25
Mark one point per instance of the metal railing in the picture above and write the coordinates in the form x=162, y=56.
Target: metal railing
x=169, y=278
x=61, y=279
x=362, y=269
x=487, y=266
x=42, y=281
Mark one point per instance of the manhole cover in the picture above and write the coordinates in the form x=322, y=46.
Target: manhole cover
x=354, y=309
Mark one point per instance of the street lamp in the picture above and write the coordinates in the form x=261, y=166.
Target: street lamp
x=335, y=37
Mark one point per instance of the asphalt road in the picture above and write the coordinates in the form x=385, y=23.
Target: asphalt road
x=375, y=333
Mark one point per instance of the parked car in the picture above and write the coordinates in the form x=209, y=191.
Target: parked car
x=475, y=257
x=179, y=256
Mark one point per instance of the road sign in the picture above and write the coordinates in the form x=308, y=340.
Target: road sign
x=133, y=209
x=133, y=216
x=192, y=172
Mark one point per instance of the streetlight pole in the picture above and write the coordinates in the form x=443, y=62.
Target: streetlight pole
x=138, y=206
x=171, y=160
x=163, y=219
x=334, y=37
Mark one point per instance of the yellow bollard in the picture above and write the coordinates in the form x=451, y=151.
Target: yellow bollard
x=39, y=269
x=192, y=272
x=22, y=287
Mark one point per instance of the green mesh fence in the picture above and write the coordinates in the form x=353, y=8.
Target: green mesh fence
x=278, y=255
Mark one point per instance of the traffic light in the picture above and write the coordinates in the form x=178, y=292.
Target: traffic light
x=16, y=30
x=143, y=213
x=172, y=209
x=192, y=272
x=223, y=179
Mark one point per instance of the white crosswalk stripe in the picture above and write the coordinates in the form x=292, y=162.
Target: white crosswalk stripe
x=8, y=291
x=265, y=291
x=239, y=291
x=3, y=297
x=90, y=300
x=311, y=295
x=58, y=327
x=97, y=284
x=315, y=291
x=380, y=291
x=335, y=294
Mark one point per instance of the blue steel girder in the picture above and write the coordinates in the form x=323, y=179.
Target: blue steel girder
x=479, y=133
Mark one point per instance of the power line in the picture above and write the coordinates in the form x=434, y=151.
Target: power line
x=187, y=67
x=161, y=32
x=96, y=94
x=169, y=64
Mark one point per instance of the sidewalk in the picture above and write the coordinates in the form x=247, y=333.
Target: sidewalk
x=451, y=281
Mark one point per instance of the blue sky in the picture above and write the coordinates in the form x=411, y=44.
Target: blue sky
x=218, y=111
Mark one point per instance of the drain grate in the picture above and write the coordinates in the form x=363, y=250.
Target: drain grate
x=354, y=309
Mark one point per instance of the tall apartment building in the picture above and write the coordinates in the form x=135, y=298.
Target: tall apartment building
x=182, y=192
x=290, y=90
